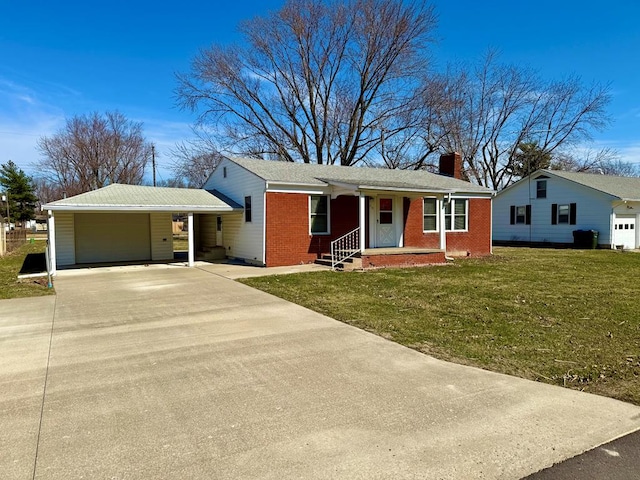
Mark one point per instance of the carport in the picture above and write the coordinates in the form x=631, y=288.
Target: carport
x=126, y=223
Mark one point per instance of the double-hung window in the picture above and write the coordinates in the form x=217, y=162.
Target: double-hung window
x=541, y=189
x=455, y=214
x=563, y=214
x=319, y=214
x=430, y=215
x=520, y=215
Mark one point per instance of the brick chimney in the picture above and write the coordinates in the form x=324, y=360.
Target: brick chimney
x=451, y=165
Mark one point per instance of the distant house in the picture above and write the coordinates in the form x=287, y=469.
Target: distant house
x=549, y=205
x=276, y=213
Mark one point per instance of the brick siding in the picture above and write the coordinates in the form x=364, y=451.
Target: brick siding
x=288, y=241
x=475, y=242
x=403, y=260
x=287, y=229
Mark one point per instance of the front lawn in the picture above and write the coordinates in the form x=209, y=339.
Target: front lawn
x=10, y=265
x=566, y=317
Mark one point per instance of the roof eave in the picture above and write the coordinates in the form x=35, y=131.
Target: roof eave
x=140, y=208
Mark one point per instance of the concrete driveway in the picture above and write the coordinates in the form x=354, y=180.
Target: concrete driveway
x=168, y=372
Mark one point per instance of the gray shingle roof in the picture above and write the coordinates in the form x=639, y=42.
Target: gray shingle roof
x=314, y=174
x=625, y=188
x=137, y=197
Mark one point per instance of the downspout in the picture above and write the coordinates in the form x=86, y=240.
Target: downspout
x=264, y=224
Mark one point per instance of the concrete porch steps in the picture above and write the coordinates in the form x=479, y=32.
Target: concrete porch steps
x=350, y=264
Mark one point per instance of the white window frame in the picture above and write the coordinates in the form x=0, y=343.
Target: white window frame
x=311, y=215
x=451, y=215
x=568, y=207
x=524, y=215
x=539, y=182
x=436, y=214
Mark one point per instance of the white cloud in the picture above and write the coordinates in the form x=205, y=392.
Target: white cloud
x=25, y=116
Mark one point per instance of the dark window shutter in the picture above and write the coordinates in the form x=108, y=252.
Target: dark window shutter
x=527, y=219
x=554, y=214
x=572, y=214
x=513, y=214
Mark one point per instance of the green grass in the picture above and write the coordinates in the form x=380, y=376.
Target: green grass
x=565, y=317
x=180, y=243
x=10, y=265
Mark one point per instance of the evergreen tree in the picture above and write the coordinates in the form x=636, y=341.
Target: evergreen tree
x=20, y=191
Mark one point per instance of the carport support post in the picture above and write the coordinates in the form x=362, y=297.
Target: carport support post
x=191, y=242
x=51, y=236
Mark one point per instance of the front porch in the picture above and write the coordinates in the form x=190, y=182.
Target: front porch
x=389, y=230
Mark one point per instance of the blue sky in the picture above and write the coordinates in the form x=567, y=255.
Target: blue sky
x=60, y=59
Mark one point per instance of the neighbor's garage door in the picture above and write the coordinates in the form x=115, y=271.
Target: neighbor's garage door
x=112, y=237
x=625, y=230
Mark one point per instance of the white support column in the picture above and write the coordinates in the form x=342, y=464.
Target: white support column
x=51, y=236
x=398, y=217
x=190, y=231
x=441, y=222
x=362, y=205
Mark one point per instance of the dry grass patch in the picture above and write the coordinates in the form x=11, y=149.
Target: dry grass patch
x=10, y=265
x=566, y=317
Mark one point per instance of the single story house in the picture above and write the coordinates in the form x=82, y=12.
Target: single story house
x=547, y=206
x=272, y=213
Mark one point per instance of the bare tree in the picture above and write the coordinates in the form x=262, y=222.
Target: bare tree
x=92, y=151
x=194, y=161
x=496, y=108
x=412, y=138
x=317, y=82
x=604, y=161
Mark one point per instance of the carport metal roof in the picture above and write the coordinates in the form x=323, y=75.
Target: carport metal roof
x=127, y=198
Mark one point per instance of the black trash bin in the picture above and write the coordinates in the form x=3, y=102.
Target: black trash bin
x=585, y=239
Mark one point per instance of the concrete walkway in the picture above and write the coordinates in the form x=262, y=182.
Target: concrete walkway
x=168, y=372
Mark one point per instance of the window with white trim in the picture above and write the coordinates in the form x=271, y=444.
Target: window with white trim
x=563, y=214
x=455, y=214
x=541, y=189
x=430, y=215
x=319, y=214
x=520, y=215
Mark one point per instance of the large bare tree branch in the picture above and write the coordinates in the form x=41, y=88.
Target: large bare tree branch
x=315, y=81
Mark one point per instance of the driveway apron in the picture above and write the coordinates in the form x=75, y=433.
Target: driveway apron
x=169, y=372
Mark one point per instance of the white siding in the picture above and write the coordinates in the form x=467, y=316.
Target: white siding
x=65, y=239
x=207, y=231
x=242, y=239
x=593, y=212
x=161, y=236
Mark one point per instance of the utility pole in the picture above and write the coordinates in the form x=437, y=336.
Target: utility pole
x=153, y=163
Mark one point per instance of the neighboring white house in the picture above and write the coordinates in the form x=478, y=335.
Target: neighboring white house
x=549, y=205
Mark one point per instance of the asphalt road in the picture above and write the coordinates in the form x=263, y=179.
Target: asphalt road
x=617, y=460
